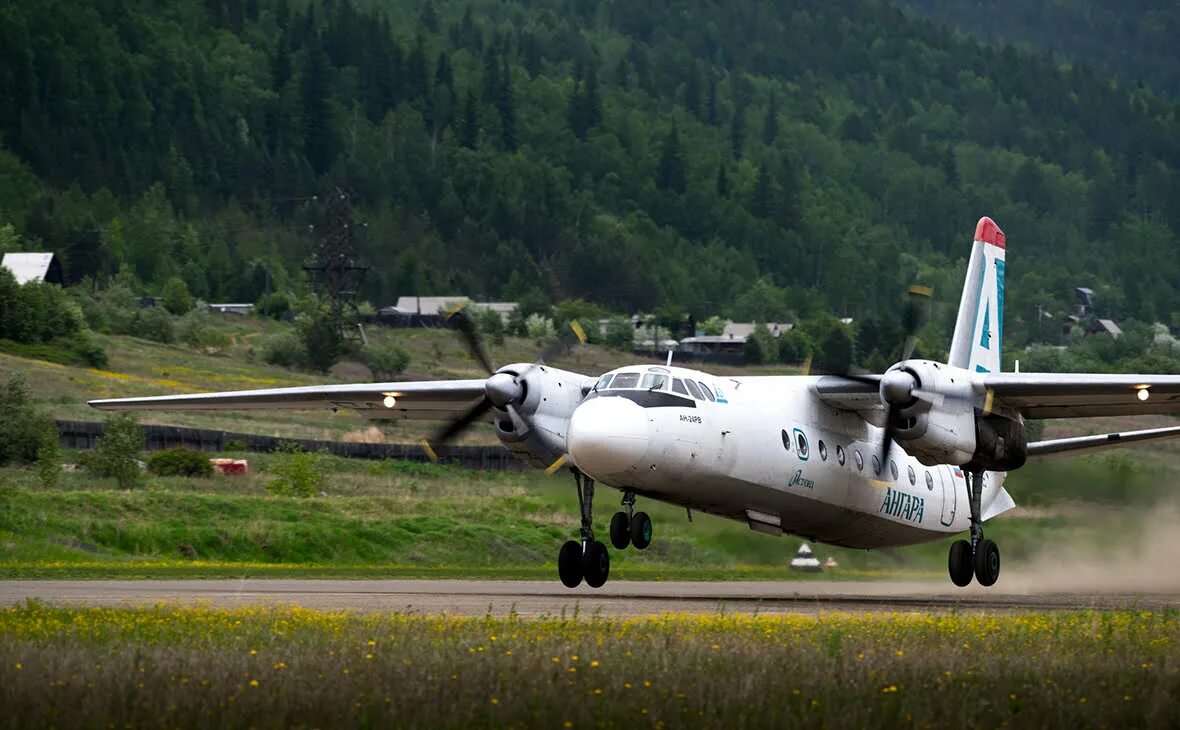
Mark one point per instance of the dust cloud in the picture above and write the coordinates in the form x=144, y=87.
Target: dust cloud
x=1143, y=556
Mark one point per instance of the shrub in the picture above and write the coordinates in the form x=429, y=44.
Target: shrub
x=620, y=334
x=24, y=428
x=386, y=361
x=490, y=323
x=322, y=340
x=274, y=305
x=117, y=452
x=196, y=330
x=539, y=327
x=155, y=324
x=285, y=350
x=298, y=473
x=49, y=458
x=180, y=462
x=175, y=297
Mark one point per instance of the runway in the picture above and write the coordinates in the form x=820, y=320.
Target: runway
x=617, y=599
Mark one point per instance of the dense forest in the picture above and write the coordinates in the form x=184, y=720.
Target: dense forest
x=1134, y=40
x=749, y=159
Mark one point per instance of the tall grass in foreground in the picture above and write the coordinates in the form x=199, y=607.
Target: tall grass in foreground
x=276, y=667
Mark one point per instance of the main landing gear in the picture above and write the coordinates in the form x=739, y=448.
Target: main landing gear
x=589, y=560
x=980, y=557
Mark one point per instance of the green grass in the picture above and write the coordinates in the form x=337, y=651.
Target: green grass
x=289, y=667
x=403, y=519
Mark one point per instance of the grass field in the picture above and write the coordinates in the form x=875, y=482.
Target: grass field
x=273, y=667
x=403, y=519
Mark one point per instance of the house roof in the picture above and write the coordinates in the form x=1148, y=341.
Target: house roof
x=28, y=267
x=436, y=305
x=742, y=330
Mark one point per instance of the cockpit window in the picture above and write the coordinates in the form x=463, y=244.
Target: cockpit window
x=625, y=380
x=603, y=381
x=692, y=388
x=678, y=386
x=654, y=381
x=708, y=393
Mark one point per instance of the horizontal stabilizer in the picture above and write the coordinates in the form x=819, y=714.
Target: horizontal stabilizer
x=1086, y=444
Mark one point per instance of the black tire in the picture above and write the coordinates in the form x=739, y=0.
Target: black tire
x=640, y=530
x=569, y=564
x=620, y=531
x=960, y=563
x=596, y=564
x=987, y=562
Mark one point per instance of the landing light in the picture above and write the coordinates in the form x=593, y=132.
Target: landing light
x=389, y=401
x=1143, y=394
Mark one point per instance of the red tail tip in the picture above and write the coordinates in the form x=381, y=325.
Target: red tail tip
x=988, y=232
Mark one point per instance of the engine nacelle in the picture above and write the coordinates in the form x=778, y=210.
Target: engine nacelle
x=534, y=428
x=942, y=430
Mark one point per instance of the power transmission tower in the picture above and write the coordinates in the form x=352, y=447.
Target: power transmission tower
x=335, y=272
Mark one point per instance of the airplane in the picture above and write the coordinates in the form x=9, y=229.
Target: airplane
x=915, y=454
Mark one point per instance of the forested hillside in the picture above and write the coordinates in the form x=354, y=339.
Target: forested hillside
x=1134, y=40
x=749, y=159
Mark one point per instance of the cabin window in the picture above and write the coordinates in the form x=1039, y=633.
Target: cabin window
x=692, y=388
x=860, y=460
x=801, y=445
x=655, y=381
x=786, y=440
x=913, y=478
x=678, y=387
x=708, y=393
x=929, y=482
x=840, y=454
x=893, y=469
x=625, y=380
x=603, y=381
x=823, y=450
x=876, y=465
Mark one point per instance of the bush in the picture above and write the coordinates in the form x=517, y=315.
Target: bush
x=274, y=305
x=49, y=459
x=761, y=345
x=795, y=347
x=180, y=462
x=490, y=323
x=80, y=350
x=175, y=297
x=539, y=327
x=196, y=330
x=155, y=324
x=386, y=361
x=117, y=452
x=323, y=343
x=620, y=334
x=24, y=428
x=285, y=349
x=298, y=473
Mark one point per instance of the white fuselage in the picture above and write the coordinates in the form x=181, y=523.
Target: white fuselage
x=767, y=451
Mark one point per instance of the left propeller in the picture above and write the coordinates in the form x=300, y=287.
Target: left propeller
x=503, y=389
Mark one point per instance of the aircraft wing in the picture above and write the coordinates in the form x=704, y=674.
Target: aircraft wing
x=1076, y=395
x=1086, y=444
x=436, y=400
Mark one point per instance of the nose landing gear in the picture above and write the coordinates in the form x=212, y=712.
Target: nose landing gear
x=587, y=560
x=980, y=556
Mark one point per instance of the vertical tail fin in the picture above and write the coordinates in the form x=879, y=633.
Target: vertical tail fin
x=979, y=330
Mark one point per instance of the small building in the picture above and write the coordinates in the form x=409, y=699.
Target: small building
x=441, y=305
x=26, y=267
x=805, y=560
x=743, y=330
x=1105, y=327
x=238, y=309
x=710, y=344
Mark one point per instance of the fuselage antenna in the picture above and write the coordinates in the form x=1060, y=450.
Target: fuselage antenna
x=669, y=363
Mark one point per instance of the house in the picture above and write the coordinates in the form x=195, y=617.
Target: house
x=439, y=305
x=26, y=267
x=1104, y=327
x=743, y=330
x=238, y=309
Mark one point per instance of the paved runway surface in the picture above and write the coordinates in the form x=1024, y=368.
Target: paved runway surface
x=536, y=598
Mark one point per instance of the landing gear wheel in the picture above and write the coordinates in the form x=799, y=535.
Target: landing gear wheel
x=987, y=562
x=596, y=564
x=569, y=564
x=640, y=530
x=960, y=563
x=620, y=530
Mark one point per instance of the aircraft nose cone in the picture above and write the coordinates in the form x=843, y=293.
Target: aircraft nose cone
x=608, y=435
